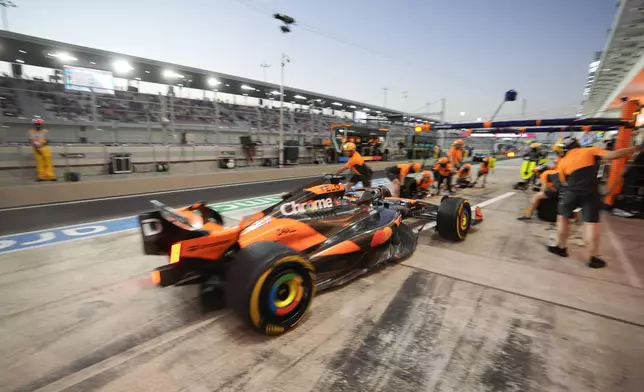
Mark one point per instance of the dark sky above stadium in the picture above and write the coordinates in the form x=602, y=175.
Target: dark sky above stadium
x=467, y=51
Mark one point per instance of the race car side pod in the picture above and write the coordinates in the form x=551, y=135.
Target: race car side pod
x=555, y=122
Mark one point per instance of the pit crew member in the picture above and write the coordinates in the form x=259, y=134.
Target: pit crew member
x=396, y=174
x=444, y=169
x=578, y=172
x=484, y=170
x=464, y=176
x=361, y=172
x=456, y=153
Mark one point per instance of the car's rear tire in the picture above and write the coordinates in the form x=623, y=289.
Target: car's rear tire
x=409, y=190
x=270, y=287
x=547, y=210
x=454, y=218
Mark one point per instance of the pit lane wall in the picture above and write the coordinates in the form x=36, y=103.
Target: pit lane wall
x=37, y=194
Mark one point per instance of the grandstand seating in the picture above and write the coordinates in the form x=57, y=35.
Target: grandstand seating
x=22, y=97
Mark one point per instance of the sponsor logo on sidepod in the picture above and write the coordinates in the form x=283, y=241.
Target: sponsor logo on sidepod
x=293, y=208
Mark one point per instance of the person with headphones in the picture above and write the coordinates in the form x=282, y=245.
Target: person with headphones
x=577, y=171
x=39, y=140
x=356, y=163
x=396, y=174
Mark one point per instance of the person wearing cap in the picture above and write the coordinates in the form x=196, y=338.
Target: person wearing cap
x=456, y=153
x=550, y=187
x=361, y=172
x=39, y=140
x=464, y=176
x=484, y=170
x=533, y=155
x=578, y=173
x=444, y=169
x=396, y=174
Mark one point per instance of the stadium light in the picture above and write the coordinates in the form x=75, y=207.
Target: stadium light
x=336, y=104
x=366, y=109
x=479, y=119
x=171, y=74
x=244, y=87
x=299, y=97
x=462, y=113
x=62, y=56
x=276, y=92
x=122, y=66
x=353, y=107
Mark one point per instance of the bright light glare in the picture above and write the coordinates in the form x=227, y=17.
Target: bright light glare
x=171, y=74
x=462, y=113
x=299, y=97
x=62, y=56
x=244, y=87
x=336, y=104
x=213, y=82
x=479, y=119
x=122, y=66
x=275, y=92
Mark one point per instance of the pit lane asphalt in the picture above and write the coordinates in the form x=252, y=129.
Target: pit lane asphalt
x=21, y=220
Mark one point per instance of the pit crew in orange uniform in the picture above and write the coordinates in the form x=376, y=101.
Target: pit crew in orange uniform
x=396, y=174
x=484, y=170
x=464, y=176
x=361, y=172
x=424, y=183
x=444, y=169
x=578, y=172
x=456, y=153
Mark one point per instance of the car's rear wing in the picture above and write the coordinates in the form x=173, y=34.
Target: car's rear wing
x=163, y=227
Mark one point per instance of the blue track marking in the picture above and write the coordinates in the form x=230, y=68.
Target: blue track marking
x=22, y=241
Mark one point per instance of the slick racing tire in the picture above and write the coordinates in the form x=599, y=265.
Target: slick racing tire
x=454, y=218
x=409, y=189
x=270, y=287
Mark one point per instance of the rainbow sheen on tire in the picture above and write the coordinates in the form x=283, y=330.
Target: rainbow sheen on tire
x=286, y=294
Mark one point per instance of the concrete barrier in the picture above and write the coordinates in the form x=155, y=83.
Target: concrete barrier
x=47, y=193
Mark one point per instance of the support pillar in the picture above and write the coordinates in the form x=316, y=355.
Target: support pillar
x=624, y=136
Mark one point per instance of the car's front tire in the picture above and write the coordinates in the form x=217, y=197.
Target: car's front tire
x=454, y=218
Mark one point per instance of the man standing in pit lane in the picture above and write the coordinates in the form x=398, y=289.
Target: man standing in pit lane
x=456, y=153
x=580, y=188
x=361, y=172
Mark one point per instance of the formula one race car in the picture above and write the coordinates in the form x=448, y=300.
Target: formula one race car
x=270, y=266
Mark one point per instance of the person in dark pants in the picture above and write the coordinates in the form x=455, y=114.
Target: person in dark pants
x=444, y=169
x=578, y=174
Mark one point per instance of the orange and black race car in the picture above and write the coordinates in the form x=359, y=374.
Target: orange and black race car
x=270, y=265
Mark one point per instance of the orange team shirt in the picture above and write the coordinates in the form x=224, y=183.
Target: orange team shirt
x=550, y=178
x=455, y=155
x=443, y=171
x=425, y=183
x=579, y=167
x=463, y=172
x=483, y=168
x=356, y=163
x=405, y=168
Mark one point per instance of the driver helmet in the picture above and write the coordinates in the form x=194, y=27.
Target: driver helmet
x=349, y=147
x=415, y=167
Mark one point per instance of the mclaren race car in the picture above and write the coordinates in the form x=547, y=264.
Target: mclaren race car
x=270, y=265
